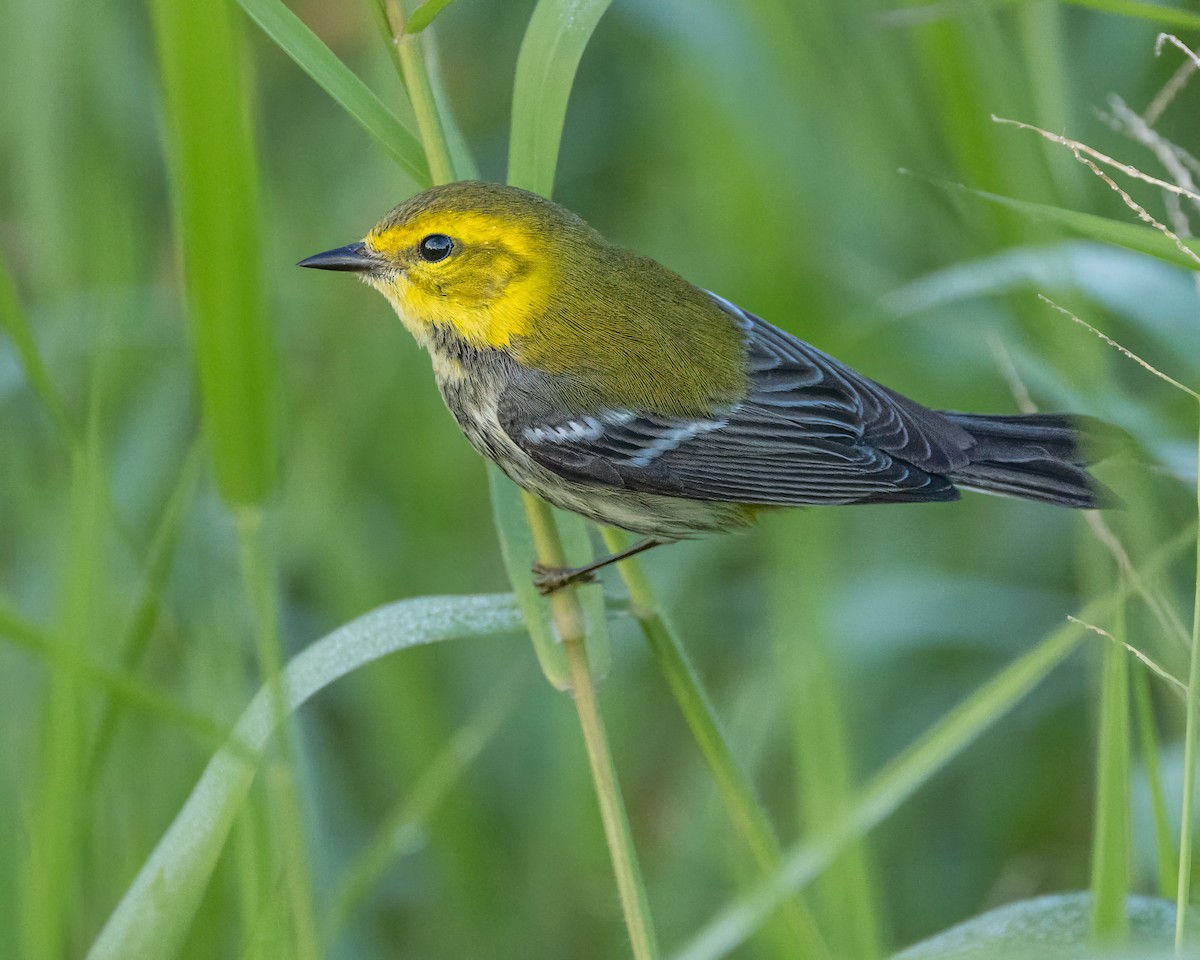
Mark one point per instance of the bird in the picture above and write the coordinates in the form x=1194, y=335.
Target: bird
x=608, y=385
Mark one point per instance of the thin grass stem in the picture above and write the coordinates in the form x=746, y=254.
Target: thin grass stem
x=733, y=785
x=410, y=53
x=569, y=623
x=566, y=610
x=1110, y=836
x=397, y=832
x=631, y=889
x=1191, y=733
x=1148, y=748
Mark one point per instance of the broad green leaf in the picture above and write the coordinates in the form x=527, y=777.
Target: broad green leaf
x=154, y=915
x=294, y=38
x=215, y=191
x=424, y=15
x=1044, y=927
x=550, y=54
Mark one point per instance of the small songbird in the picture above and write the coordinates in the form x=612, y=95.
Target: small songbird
x=604, y=383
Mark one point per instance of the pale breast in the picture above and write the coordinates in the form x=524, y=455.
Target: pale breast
x=472, y=387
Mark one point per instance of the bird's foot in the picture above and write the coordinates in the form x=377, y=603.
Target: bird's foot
x=548, y=579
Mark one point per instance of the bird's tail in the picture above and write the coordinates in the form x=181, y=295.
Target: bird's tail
x=1038, y=456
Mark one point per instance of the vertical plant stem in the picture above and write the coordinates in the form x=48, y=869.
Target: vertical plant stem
x=630, y=887
x=567, y=613
x=1110, y=839
x=411, y=54
x=748, y=817
x=569, y=623
x=547, y=546
x=1148, y=749
x=258, y=575
x=1191, y=730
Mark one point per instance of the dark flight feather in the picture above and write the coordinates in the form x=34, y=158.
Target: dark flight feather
x=809, y=430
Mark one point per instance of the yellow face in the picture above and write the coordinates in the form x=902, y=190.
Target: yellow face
x=483, y=275
x=499, y=268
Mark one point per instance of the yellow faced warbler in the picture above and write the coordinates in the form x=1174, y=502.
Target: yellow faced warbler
x=604, y=383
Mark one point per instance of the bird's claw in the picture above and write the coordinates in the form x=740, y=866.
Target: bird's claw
x=548, y=579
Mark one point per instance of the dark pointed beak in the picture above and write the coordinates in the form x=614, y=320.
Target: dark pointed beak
x=354, y=257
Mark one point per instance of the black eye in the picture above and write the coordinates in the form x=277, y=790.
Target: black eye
x=435, y=247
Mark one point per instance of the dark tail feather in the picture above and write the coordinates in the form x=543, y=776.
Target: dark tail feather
x=1038, y=456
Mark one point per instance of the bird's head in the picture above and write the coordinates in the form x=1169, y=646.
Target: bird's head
x=477, y=259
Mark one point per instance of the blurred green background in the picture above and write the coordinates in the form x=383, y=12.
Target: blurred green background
x=754, y=148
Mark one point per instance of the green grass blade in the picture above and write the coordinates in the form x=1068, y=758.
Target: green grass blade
x=146, y=610
x=1111, y=836
x=214, y=186
x=260, y=580
x=1191, y=758
x=1131, y=235
x=15, y=323
x=465, y=167
x=398, y=829
x=119, y=687
x=845, y=900
x=742, y=806
x=1048, y=927
x=294, y=38
x=849, y=911
x=884, y=793
x=519, y=552
x=516, y=546
x=21, y=633
x=425, y=14
x=550, y=54
x=1164, y=843
x=410, y=55
x=52, y=858
x=906, y=773
x=1165, y=16
x=153, y=916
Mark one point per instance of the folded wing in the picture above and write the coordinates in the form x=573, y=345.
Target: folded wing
x=809, y=431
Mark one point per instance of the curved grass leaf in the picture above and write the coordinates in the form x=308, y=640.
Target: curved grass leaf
x=1175, y=17
x=550, y=54
x=153, y=917
x=1044, y=927
x=294, y=38
x=1111, y=853
x=1134, y=236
